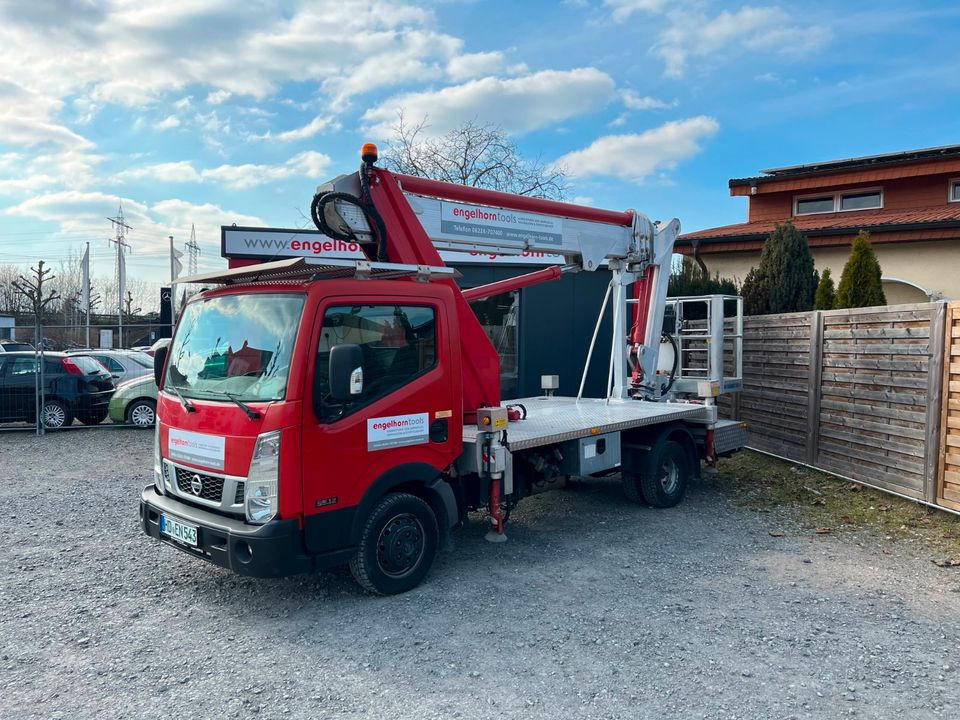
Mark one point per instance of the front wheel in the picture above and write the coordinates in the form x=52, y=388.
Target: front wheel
x=397, y=545
x=663, y=482
x=142, y=413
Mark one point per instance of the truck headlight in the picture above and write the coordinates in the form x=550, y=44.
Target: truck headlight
x=157, y=459
x=260, y=490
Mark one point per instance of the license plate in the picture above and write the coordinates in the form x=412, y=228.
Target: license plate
x=181, y=532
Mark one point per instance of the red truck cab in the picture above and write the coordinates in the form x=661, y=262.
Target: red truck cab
x=270, y=453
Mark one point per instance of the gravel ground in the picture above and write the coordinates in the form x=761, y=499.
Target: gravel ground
x=593, y=609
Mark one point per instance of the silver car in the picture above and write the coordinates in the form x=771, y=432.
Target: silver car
x=122, y=364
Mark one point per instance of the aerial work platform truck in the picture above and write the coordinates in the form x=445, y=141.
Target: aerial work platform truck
x=316, y=412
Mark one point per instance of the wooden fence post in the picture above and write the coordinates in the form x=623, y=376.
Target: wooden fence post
x=935, y=401
x=813, y=389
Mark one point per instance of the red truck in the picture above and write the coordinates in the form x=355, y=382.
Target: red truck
x=316, y=412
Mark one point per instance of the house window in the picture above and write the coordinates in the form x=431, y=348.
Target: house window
x=863, y=199
x=809, y=206
x=954, y=191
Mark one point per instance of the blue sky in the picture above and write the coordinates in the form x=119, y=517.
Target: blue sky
x=209, y=112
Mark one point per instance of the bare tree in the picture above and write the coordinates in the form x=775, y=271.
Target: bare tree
x=11, y=301
x=471, y=154
x=33, y=291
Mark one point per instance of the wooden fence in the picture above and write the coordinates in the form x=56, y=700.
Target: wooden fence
x=948, y=488
x=864, y=393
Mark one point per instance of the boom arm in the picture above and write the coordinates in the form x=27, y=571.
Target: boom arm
x=423, y=216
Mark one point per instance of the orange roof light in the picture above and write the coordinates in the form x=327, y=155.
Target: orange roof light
x=369, y=153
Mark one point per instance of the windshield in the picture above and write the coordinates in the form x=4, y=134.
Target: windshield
x=236, y=345
x=141, y=359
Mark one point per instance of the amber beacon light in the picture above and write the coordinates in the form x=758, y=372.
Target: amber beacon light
x=369, y=153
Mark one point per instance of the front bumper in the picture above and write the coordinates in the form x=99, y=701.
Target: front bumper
x=272, y=550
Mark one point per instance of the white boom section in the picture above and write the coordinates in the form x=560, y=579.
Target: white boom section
x=628, y=252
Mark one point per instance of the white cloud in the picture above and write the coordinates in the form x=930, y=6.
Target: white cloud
x=518, y=105
x=634, y=102
x=319, y=124
x=76, y=212
x=471, y=65
x=692, y=34
x=219, y=97
x=623, y=9
x=344, y=46
x=636, y=156
x=170, y=121
x=169, y=172
x=239, y=177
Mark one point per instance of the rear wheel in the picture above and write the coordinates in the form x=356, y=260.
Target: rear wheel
x=397, y=545
x=54, y=414
x=663, y=482
x=142, y=413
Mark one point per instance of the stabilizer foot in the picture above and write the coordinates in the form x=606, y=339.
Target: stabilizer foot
x=495, y=537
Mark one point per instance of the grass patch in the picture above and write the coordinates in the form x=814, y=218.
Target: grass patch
x=819, y=501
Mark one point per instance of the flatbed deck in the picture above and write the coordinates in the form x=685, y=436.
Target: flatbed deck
x=556, y=419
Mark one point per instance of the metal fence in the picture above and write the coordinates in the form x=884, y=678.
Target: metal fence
x=27, y=394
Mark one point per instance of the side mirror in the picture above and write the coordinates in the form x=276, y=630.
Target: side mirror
x=159, y=360
x=346, y=372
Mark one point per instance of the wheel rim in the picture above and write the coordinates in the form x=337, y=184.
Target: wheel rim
x=669, y=476
x=142, y=415
x=54, y=416
x=401, y=545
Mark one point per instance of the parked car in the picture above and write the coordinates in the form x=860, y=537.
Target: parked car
x=122, y=364
x=75, y=386
x=7, y=346
x=135, y=402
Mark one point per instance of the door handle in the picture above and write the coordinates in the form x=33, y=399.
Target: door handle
x=439, y=431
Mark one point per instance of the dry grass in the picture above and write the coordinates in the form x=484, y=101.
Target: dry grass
x=826, y=503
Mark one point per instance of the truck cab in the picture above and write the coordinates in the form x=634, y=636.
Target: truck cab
x=264, y=468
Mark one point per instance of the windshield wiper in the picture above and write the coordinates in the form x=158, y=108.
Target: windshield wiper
x=187, y=405
x=251, y=413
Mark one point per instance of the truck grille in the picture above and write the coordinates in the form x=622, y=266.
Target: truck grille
x=221, y=492
x=212, y=486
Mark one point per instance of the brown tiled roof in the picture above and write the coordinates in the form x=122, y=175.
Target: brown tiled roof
x=838, y=223
x=857, y=163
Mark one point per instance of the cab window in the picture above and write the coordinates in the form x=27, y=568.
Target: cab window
x=398, y=343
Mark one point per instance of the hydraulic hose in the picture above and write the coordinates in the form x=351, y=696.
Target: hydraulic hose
x=365, y=202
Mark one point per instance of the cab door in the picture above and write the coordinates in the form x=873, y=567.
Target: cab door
x=407, y=414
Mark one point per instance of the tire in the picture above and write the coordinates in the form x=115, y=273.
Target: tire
x=631, y=487
x=55, y=414
x=397, y=545
x=142, y=413
x=663, y=482
x=92, y=418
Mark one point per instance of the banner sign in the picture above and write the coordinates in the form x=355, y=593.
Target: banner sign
x=397, y=431
x=196, y=448
x=474, y=221
x=277, y=243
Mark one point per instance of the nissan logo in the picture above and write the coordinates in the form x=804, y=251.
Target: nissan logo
x=196, y=485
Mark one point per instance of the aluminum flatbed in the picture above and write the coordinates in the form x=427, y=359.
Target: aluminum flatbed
x=556, y=419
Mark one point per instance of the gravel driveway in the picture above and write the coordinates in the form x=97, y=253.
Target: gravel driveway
x=593, y=609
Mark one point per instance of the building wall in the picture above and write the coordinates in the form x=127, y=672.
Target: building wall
x=935, y=266
x=556, y=324
x=901, y=194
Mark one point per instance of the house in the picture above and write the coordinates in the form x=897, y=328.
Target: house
x=908, y=201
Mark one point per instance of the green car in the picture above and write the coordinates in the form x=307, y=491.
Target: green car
x=135, y=402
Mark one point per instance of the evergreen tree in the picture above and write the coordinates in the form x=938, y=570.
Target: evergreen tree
x=860, y=284
x=826, y=294
x=787, y=267
x=756, y=296
x=688, y=279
